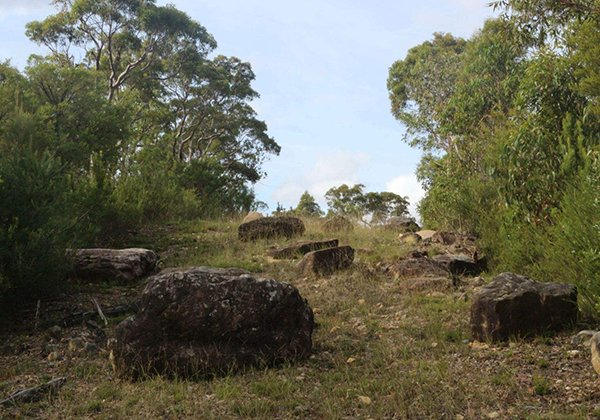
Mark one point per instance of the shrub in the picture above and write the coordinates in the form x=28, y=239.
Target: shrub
x=33, y=225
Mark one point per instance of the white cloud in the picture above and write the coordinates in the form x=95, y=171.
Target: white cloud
x=327, y=171
x=407, y=185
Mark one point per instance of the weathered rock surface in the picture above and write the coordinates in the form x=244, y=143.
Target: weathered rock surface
x=517, y=305
x=595, y=342
x=401, y=224
x=583, y=338
x=302, y=248
x=410, y=238
x=225, y=272
x=253, y=215
x=194, y=323
x=121, y=265
x=326, y=261
x=458, y=264
x=271, y=227
x=426, y=234
x=338, y=224
x=445, y=238
x=418, y=268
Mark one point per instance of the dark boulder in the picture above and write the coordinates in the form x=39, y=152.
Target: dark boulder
x=338, y=224
x=326, y=261
x=402, y=225
x=458, y=264
x=120, y=265
x=271, y=227
x=517, y=305
x=193, y=323
x=418, y=268
x=302, y=248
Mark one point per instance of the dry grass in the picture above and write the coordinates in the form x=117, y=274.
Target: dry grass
x=380, y=352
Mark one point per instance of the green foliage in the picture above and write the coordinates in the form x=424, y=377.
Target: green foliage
x=308, y=206
x=33, y=225
x=511, y=137
x=370, y=208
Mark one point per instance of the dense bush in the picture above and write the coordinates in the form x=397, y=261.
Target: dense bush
x=508, y=121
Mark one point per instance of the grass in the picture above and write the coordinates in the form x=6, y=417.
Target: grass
x=378, y=351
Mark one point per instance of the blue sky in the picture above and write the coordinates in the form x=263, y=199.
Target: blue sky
x=321, y=68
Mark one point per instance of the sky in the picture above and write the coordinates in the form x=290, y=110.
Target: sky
x=321, y=69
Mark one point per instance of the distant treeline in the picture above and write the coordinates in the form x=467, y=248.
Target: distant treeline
x=509, y=124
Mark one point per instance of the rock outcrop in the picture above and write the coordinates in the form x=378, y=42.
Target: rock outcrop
x=517, y=305
x=458, y=264
x=194, y=323
x=119, y=265
x=338, y=224
x=401, y=225
x=326, y=261
x=300, y=249
x=418, y=268
x=253, y=215
x=271, y=227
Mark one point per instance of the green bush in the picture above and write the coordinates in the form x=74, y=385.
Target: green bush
x=33, y=225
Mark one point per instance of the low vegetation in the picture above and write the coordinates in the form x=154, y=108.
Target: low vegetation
x=379, y=351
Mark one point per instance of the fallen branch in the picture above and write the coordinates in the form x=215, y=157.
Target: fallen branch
x=100, y=311
x=79, y=317
x=35, y=393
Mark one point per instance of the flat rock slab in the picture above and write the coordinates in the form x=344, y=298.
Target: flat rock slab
x=193, y=323
x=517, y=305
x=426, y=234
x=418, y=268
x=458, y=264
x=326, y=261
x=302, y=248
x=271, y=227
x=120, y=265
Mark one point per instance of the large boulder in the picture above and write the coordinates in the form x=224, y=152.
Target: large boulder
x=338, y=224
x=271, y=227
x=253, y=215
x=326, y=261
x=193, y=323
x=302, y=248
x=401, y=225
x=517, y=305
x=418, y=268
x=120, y=265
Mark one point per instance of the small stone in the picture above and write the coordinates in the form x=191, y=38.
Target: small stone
x=361, y=301
x=76, y=344
x=583, y=337
x=493, y=415
x=365, y=400
x=351, y=360
x=460, y=417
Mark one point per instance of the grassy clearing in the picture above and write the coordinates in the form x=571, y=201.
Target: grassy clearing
x=379, y=352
